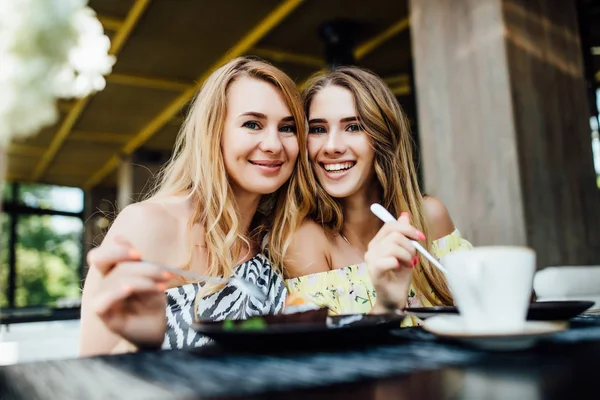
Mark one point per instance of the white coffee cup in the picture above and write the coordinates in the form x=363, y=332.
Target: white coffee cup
x=491, y=286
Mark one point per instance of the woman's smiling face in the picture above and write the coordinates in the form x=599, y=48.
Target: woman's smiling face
x=339, y=148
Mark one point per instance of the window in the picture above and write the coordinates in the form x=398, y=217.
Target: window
x=48, y=258
x=4, y=267
x=6, y=193
x=42, y=256
x=50, y=197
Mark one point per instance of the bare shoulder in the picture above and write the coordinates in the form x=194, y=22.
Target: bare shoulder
x=310, y=230
x=149, y=226
x=308, y=252
x=438, y=218
x=142, y=217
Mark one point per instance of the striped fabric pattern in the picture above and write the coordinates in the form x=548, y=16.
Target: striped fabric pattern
x=226, y=303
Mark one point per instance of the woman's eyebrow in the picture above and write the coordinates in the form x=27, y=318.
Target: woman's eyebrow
x=254, y=114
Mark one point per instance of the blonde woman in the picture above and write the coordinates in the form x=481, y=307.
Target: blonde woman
x=361, y=152
x=240, y=154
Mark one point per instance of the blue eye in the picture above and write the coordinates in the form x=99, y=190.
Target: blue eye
x=288, y=129
x=319, y=130
x=251, y=125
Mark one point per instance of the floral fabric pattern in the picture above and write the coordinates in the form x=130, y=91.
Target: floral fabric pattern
x=349, y=290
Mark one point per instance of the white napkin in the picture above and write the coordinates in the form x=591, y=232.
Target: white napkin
x=568, y=283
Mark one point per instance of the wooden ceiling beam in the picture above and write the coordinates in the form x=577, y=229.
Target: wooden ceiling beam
x=117, y=43
x=133, y=17
x=399, y=84
x=25, y=150
x=147, y=82
x=110, y=23
x=402, y=90
x=397, y=79
x=59, y=138
x=99, y=137
x=241, y=47
x=370, y=45
x=288, y=57
x=70, y=170
x=64, y=105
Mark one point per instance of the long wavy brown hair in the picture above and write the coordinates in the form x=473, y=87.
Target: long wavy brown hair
x=197, y=170
x=388, y=128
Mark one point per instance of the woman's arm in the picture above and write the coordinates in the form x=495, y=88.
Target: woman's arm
x=141, y=228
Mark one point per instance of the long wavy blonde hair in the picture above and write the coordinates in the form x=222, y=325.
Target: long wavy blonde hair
x=388, y=128
x=197, y=170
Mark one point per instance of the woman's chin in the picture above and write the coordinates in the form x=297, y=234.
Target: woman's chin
x=264, y=189
x=338, y=193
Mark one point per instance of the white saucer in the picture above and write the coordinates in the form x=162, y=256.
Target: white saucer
x=452, y=327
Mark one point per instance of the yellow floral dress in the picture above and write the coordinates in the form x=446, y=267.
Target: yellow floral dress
x=349, y=290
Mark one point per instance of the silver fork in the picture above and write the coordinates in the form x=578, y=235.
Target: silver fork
x=243, y=285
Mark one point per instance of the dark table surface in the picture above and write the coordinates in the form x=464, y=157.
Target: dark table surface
x=411, y=364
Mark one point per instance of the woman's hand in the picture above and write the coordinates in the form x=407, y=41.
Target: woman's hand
x=129, y=297
x=390, y=259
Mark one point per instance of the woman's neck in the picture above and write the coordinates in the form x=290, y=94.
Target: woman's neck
x=360, y=224
x=247, y=205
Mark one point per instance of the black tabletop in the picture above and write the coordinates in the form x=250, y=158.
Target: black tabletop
x=410, y=364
